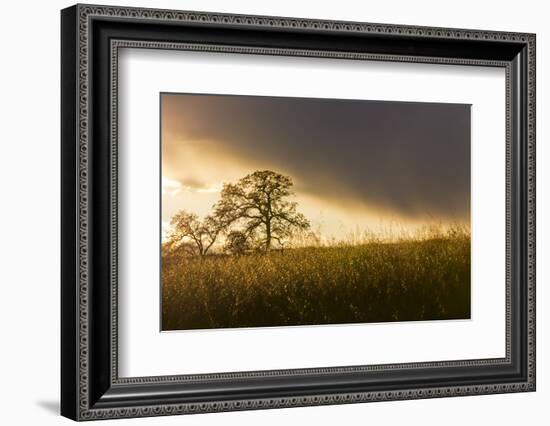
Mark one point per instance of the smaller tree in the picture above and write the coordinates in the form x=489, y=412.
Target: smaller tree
x=195, y=235
x=236, y=243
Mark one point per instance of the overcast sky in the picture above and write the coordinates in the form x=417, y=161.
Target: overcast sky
x=355, y=164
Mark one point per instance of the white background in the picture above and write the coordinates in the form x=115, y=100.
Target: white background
x=146, y=352
x=29, y=225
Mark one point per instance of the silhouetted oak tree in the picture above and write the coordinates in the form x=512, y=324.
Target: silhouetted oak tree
x=258, y=204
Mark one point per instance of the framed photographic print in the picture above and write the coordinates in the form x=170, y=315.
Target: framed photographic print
x=263, y=212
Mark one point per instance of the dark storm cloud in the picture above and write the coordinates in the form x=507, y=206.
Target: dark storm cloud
x=410, y=158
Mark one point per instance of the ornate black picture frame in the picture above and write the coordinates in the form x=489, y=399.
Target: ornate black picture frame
x=91, y=387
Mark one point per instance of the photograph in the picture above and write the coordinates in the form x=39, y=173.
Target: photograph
x=280, y=211
x=286, y=210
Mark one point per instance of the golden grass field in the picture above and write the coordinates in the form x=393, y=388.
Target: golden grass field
x=424, y=277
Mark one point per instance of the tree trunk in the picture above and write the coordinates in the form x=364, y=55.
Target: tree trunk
x=268, y=224
x=267, y=235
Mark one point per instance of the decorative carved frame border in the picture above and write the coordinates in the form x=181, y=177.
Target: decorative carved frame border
x=118, y=44
x=87, y=12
